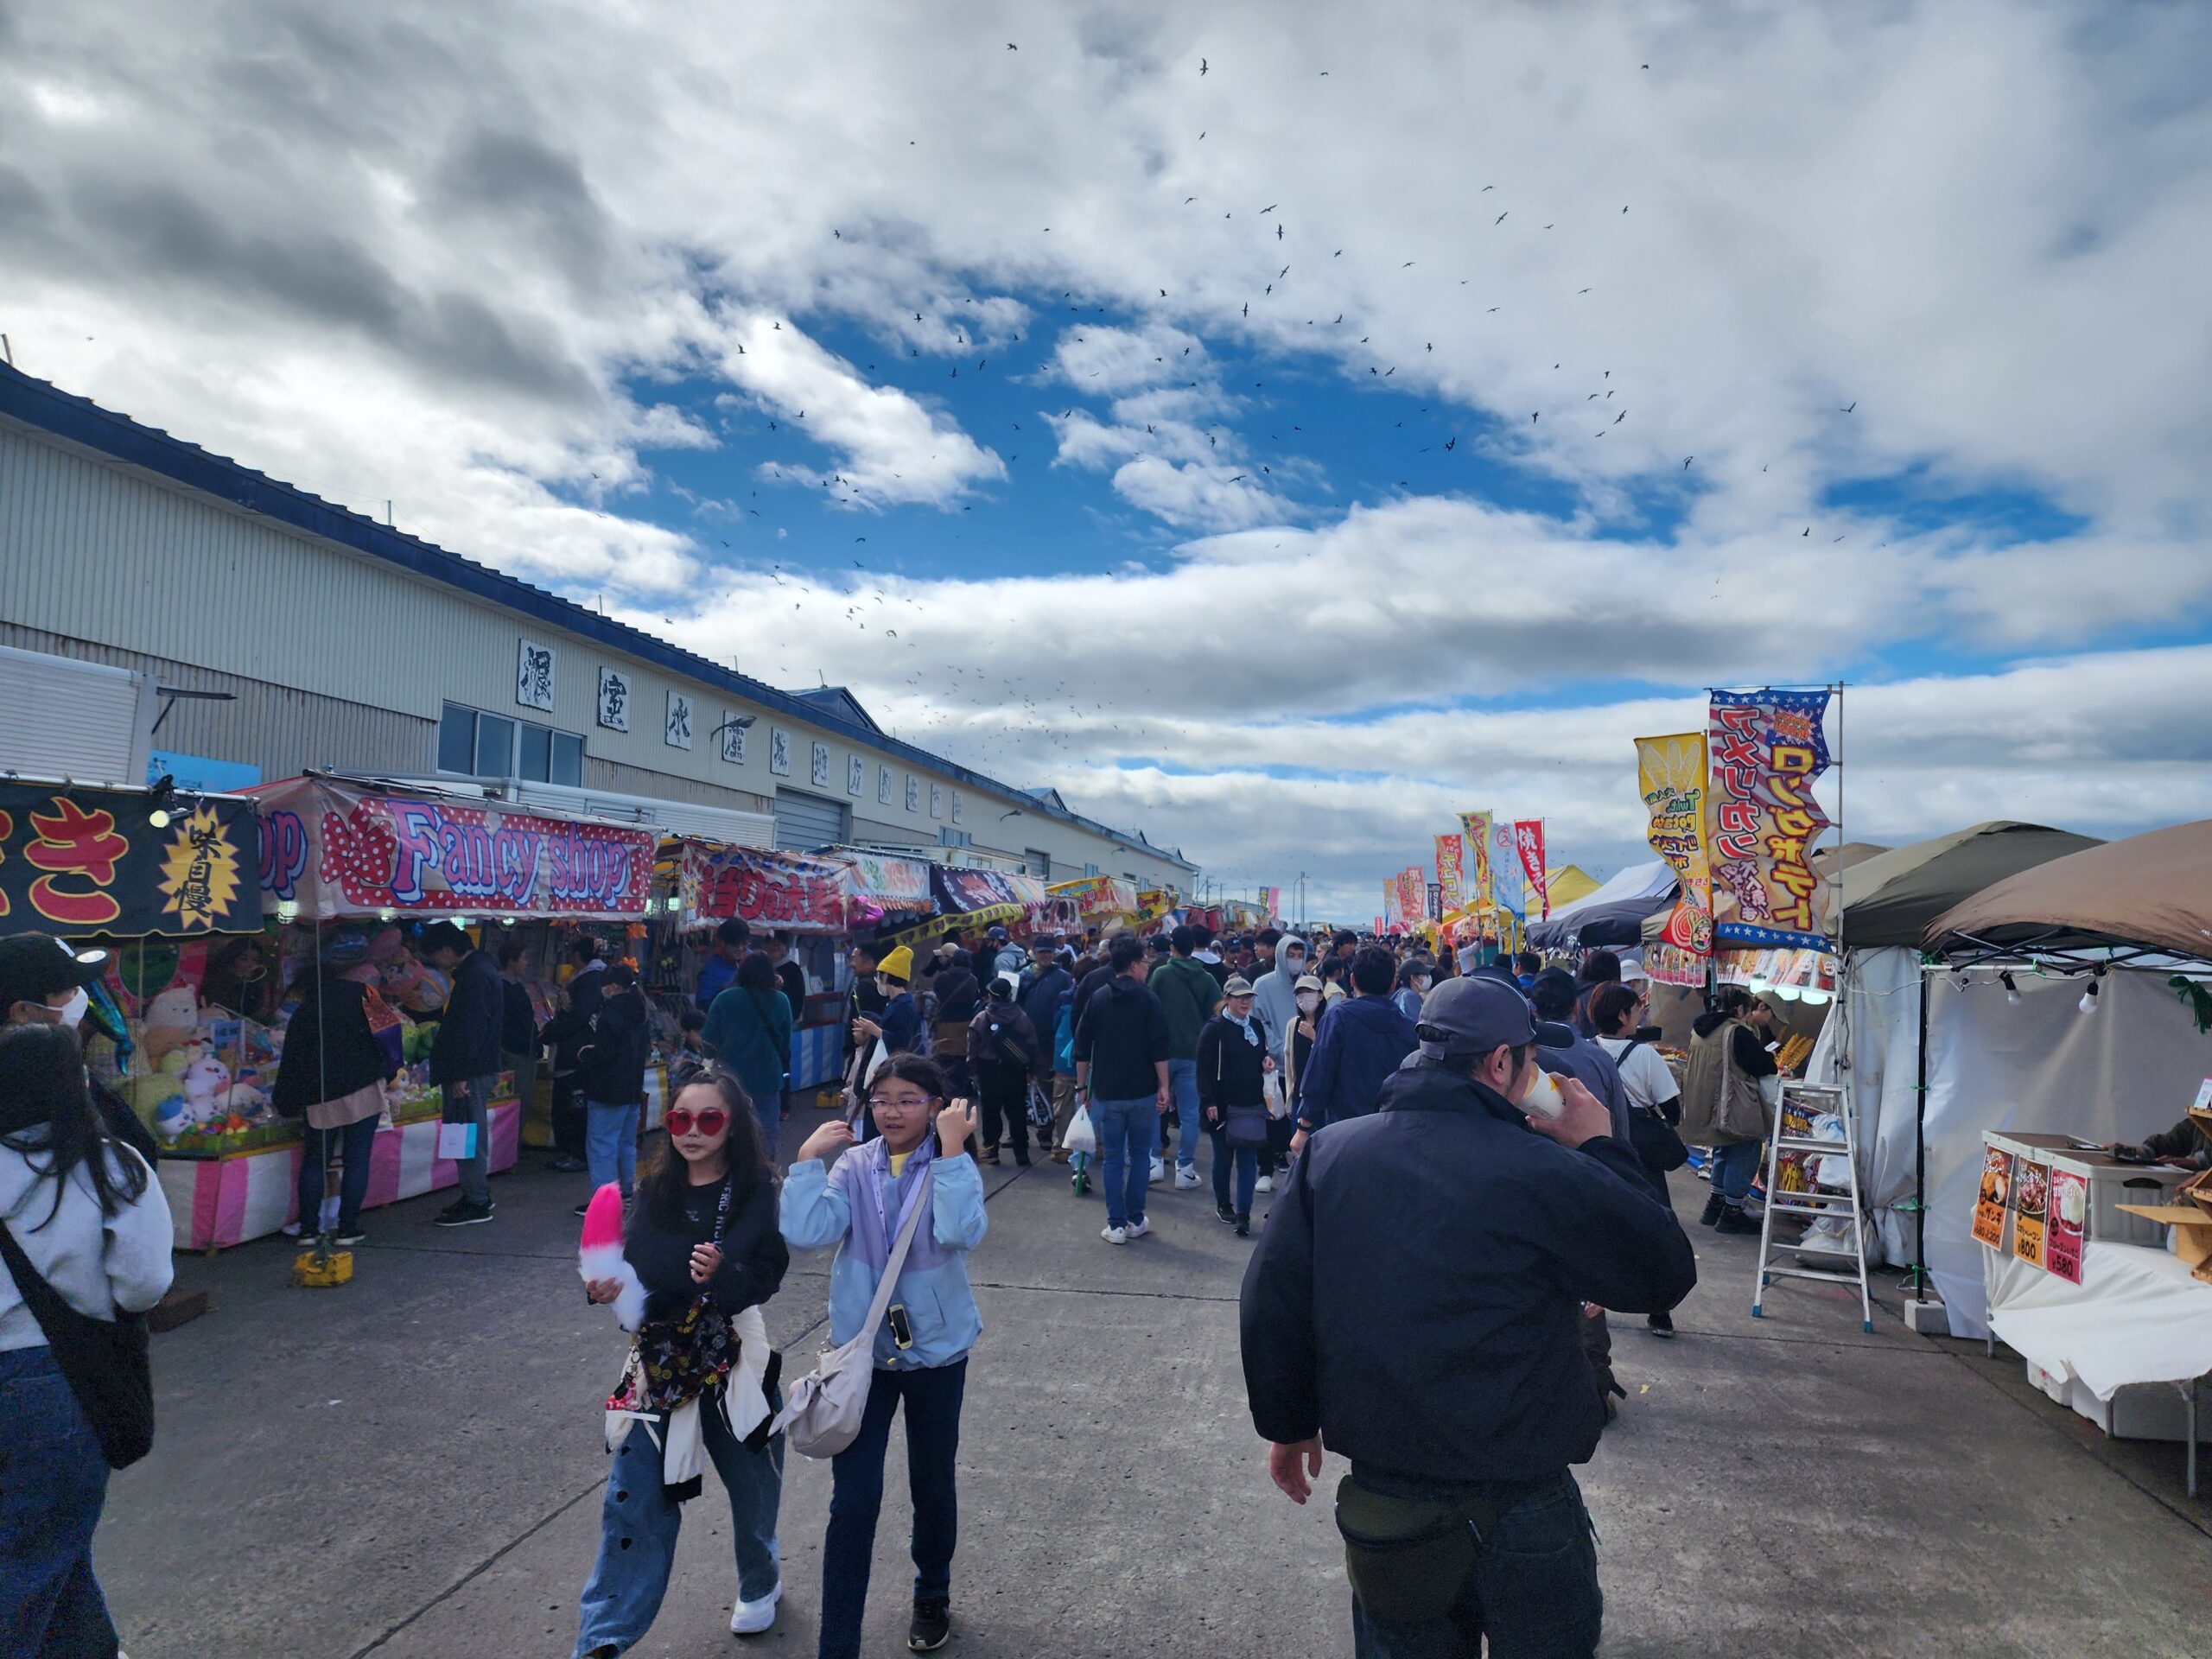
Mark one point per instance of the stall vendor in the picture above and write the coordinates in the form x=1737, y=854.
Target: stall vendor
x=2185, y=1147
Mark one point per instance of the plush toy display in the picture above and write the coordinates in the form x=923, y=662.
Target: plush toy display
x=599, y=1254
x=206, y=1085
x=171, y=1018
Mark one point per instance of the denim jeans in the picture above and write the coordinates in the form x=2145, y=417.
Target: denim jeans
x=1533, y=1592
x=1128, y=1132
x=1247, y=1162
x=475, y=1171
x=932, y=1395
x=52, y=1482
x=637, y=1528
x=1732, y=1169
x=354, y=1142
x=1183, y=1089
x=769, y=1115
x=611, y=1145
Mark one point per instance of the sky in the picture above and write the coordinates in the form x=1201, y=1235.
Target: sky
x=1279, y=427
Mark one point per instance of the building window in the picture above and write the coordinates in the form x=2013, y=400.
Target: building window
x=948, y=837
x=1089, y=870
x=473, y=744
x=1039, y=863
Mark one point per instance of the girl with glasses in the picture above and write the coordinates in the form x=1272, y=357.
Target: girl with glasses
x=703, y=1239
x=919, y=1157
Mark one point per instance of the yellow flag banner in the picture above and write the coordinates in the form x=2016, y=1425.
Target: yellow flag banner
x=1477, y=883
x=1670, y=775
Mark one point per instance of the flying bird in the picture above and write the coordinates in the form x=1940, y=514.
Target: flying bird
x=1686, y=459
x=1500, y=220
x=1853, y=404
x=1202, y=66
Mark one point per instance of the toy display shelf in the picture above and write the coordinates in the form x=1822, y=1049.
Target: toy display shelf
x=412, y=1108
x=220, y=1199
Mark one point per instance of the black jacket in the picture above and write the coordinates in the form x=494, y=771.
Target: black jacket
x=754, y=1255
x=612, y=1065
x=329, y=1050
x=570, y=1028
x=792, y=978
x=1232, y=1070
x=518, y=1025
x=1091, y=983
x=1041, y=1001
x=1416, y=1298
x=1003, y=1046
x=1122, y=1032
x=467, y=1043
x=958, y=996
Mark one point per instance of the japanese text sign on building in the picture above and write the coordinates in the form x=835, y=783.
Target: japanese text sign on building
x=89, y=860
x=1766, y=750
x=336, y=850
x=787, y=892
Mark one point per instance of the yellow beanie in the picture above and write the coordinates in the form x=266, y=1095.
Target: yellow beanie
x=899, y=964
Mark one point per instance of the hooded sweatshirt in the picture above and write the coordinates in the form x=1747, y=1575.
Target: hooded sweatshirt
x=1276, y=993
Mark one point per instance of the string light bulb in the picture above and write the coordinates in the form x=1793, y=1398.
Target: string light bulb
x=2088, y=1002
x=2012, y=990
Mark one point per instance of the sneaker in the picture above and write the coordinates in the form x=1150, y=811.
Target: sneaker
x=752, y=1617
x=582, y=1209
x=465, y=1214
x=1714, y=1206
x=1187, y=1175
x=1660, y=1324
x=1139, y=1228
x=348, y=1237
x=1059, y=1154
x=291, y=1229
x=1158, y=1170
x=1736, y=1222
x=1224, y=1215
x=565, y=1165
x=1115, y=1235
x=1021, y=1156
x=1244, y=1224
x=932, y=1624
x=1265, y=1183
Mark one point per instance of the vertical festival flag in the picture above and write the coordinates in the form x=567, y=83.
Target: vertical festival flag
x=1529, y=841
x=1413, y=896
x=1766, y=750
x=1670, y=774
x=1505, y=869
x=1475, y=826
x=1390, y=906
x=1448, y=851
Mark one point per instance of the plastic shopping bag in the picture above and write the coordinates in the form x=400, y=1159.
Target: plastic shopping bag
x=1081, y=1136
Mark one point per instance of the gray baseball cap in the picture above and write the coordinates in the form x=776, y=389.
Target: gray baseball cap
x=1476, y=1014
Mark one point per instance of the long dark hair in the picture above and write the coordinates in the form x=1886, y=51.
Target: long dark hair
x=46, y=1106
x=665, y=1180
x=757, y=973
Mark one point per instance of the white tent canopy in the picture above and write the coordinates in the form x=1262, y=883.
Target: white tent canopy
x=1638, y=881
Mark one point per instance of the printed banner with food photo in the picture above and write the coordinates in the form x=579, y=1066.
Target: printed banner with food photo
x=2030, y=1209
x=2069, y=1224
x=1995, y=1199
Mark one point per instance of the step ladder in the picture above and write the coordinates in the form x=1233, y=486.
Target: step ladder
x=1807, y=1100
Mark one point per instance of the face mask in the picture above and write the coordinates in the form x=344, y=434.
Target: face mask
x=1292, y=963
x=884, y=984
x=71, y=1014
x=1421, y=981
x=1308, y=1000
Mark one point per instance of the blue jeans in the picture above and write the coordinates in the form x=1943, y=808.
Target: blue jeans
x=769, y=1114
x=1732, y=1169
x=52, y=1482
x=932, y=1395
x=1247, y=1162
x=354, y=1142
x=1128, y=1132
x=1533, y=1592
x=475, y=1171
x=637, y=1528
x=1183, y=1089
x=611, y=1144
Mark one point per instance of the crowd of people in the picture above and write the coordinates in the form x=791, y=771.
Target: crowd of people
x=1466, y=1159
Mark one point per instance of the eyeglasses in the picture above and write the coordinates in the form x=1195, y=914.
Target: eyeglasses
x=708, y=1120
x=902, y=1103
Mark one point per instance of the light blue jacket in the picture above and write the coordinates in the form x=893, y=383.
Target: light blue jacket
x=818, y=1210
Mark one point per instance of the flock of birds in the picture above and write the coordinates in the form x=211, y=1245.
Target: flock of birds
x=988, y=718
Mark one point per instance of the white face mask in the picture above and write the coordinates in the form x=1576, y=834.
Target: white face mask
x=1421, y=981
x=72, y=1012
x=883, y=983
x=1292, y=963
x=1308, y=1000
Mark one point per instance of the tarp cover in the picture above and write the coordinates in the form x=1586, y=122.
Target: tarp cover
x=1891, y=898
x=1613, y=915
x=2153, y=890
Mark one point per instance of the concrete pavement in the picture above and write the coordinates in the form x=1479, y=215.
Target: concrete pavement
x=411, y=1466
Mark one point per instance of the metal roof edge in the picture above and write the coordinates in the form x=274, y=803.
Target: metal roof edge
x=44, y=407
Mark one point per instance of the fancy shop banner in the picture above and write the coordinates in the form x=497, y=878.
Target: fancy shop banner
x=1670, y=774
x=335, y=849
x=1766, y=748
x=76, y=861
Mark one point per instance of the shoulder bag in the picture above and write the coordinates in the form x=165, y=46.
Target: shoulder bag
x=1242, y=1127
x=105, y=1362
x=822, y=1415
x=1653, y=1137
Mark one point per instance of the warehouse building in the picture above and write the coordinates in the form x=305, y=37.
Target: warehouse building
x=164, y=609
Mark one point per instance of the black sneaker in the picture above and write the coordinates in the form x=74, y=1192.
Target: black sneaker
x=933, y=1625
x=582, y=1209
x=348, y=1237
x=1660, y=1324
x=465, y=1214
x=1021, y=1156
x=1733, y=1220
x=1244, y=1224
x=1713, y=1206
x=565, y=1165
x=1224, y=1215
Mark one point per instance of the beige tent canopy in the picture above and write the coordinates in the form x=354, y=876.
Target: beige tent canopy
x=2148, y=895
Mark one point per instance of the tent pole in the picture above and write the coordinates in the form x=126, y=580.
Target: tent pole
x=1916, y=1278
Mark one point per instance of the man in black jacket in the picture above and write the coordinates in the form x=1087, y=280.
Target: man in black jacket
x=569, y=1030
x=1121, y=1063
x=1415, y=1305
x=465, y=1058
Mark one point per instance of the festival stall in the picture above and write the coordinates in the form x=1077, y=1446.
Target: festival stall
x=1610, y=917
x=1893, y=1021
x=1102, y=900
x=2071, y=1010
x=335, y=849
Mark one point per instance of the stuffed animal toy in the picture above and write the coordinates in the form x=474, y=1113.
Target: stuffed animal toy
x=207, y=1084
x=169, y=1021
x=599, y=1255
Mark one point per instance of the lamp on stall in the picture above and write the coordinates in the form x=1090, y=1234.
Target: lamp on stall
x=2088, y=1002
x=159, y=800
x=2011, y=989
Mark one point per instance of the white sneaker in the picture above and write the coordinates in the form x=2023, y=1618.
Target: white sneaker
x=1186, y=1176
x=1158, y=1170
x=752, y=1617
x=1115, y=1235
x=1265, y=1183
x=1139, y=1228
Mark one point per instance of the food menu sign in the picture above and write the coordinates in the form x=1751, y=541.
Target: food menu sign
x=2030, y=1210
x=76, y=861
x=1995, y=1199
x=2066, y=1225
x=335, y=849
x=1766, y=748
